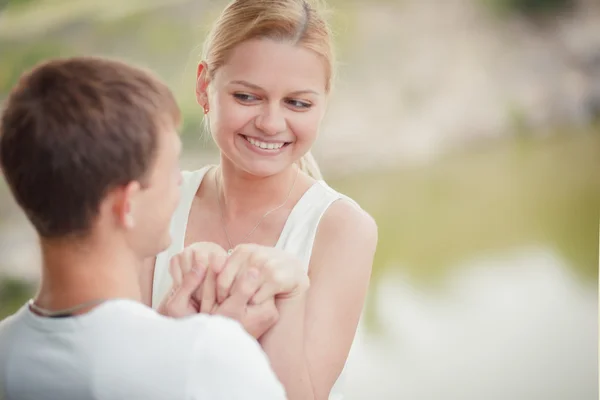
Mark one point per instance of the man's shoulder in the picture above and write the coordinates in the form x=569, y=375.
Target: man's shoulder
x=216, y=358
x=214, y=331
x=200, y=328
x=12, y=322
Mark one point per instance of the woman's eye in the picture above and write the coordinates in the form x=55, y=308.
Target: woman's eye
x=244, y=97
x=299, y=104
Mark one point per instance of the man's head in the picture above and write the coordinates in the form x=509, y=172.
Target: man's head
x=88, y=147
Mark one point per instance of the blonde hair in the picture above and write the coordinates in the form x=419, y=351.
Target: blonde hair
x=298, y=22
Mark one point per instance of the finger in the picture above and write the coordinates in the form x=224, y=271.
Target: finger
x=195, y=304
x=198, y=262
x=218, y=259
x=166, y=300
x=245, y=287
x=267, y=291
x=209, y=292
x=198, y=293
x=226, y=277
x=191, y=281
x=260, y=318
x=203, y=255
x=187, y=260
x=234, y=306
x=175, y=271
x=241, y=252
x=208, y=252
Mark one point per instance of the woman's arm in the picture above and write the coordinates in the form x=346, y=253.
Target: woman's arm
x=309, y=345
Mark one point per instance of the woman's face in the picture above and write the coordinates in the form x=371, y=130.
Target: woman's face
x=266, y=104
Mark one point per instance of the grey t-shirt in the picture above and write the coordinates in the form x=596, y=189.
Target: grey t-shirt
x=123, y=350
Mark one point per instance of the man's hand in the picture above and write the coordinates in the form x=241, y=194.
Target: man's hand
x=202, y=255
x=179, y=302
x=256, y=319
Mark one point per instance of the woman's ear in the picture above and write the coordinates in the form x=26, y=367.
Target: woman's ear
x=202, y=86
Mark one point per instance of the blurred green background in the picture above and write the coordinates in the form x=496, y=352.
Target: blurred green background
x=470, y=131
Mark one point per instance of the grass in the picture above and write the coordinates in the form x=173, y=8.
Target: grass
x=522, y=193
x=13, y=294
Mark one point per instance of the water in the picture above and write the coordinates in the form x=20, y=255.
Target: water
x=485, y=281
x=514, y=326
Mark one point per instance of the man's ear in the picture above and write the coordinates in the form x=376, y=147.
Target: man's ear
x=125, y=199
x=202, y=85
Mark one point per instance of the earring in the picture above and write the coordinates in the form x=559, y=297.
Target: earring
x=129, y=221
x=206, y=109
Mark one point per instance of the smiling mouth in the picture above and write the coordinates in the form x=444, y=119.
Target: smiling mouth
x=265, y=145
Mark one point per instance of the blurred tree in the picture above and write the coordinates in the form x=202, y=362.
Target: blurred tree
x=19, y=57
x=532, y=8
x=14, y=3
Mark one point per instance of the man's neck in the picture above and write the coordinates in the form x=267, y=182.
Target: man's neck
x=74, y=273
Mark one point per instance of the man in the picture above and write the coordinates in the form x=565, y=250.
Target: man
x=89, y=149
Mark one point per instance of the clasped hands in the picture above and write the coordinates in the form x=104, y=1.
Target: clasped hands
x=242, y=286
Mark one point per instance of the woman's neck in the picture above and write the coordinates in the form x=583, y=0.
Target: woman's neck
x=241, y=193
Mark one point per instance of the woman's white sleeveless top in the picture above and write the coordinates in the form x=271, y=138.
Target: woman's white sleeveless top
x=297, y=237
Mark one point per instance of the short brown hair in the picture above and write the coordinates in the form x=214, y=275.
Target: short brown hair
x=71, y=130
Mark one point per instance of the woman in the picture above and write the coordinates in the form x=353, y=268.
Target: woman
x=263, y=85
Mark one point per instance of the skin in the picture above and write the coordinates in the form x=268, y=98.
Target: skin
x=275, y=92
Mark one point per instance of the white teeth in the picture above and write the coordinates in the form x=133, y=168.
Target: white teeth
x=264, y=145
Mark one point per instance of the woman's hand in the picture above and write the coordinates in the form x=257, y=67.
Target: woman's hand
x=201, y=255
x=256, y=318
x=281, y=275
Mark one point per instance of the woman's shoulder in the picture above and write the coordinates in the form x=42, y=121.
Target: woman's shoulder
x=346, y=217
x=346, y=213
x=347, y=237
x=336, y=195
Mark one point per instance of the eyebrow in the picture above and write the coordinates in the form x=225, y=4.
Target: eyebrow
x=256, y=87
